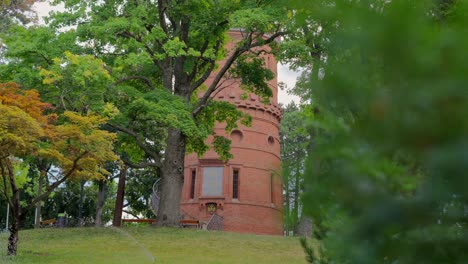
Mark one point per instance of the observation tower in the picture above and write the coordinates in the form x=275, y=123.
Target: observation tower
x=245, y=193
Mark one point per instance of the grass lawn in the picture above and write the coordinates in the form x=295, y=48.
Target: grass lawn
x=149, y=245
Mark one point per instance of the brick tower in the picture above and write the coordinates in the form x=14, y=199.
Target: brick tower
x=245, y=193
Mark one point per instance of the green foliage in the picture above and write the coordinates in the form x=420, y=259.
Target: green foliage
x=259, y=16
x=21, y=169
x=31, y=49
x=222, y=146
x=295, y=144
x=66, y=200
x=76, y=82
x=142, y=50
x=250, y=70
x=385, y=178
x=311, y=253
x=138, y=190
x=218, y=112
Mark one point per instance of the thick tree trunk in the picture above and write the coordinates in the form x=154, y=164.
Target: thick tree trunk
x=172, y=180
x=39, y=203
x=101, y=199
x=117, y=222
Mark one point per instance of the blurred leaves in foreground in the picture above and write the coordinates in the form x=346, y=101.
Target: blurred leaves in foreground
x=387, y=180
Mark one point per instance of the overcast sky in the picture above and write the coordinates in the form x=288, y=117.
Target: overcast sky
x=289, y=78
x=284, y=73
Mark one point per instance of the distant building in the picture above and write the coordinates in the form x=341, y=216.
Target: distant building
x=245, y=193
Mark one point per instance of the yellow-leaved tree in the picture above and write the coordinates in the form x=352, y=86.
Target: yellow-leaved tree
x=75, y=143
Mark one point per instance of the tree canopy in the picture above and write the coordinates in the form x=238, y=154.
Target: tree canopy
x=384, y=180
x=159, y=56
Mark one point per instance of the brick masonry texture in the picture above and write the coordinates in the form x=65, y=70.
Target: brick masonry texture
x=256, y=150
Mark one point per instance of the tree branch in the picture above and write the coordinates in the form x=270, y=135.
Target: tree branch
x=257, y=53
x=140, y=143
x=128, y=34
x=140, y=165
x=130, y=213
x=203, y=48
x=207, y=73
x=144, y=79
x=47, y=60
x=204, y=100
x=269, y=39
x=239, y=51
x=162, y=6
x=54, y=185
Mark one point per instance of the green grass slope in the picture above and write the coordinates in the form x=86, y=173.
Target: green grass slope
x=149, y=245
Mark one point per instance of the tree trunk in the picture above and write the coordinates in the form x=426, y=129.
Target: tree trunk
x=297, y=196
x=120, y=198
x=14, y=235
x=101, y=198
x=15, y=211
x=172, y=180
x=287, y=206
x=80, y=205
x=39, y=203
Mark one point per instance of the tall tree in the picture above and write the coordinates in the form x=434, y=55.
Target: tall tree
x=160, y=55
x=295, y=143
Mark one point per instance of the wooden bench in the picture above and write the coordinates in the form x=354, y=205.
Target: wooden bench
x=138, y=221
x=183, y=223
x=187, y=222
x=50, y=222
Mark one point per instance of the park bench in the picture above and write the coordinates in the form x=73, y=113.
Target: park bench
x=183, y=223
x=48, y=223
x=187, y=223
x=150, y=221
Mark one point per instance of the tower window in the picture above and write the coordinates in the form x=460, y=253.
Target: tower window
x=192, y=184
x=235, y=184
x=271, y=140
x=212, y=181
x=272, y=188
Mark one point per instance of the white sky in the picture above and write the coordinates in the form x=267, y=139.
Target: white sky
x=285, y=75
x=289, y=77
